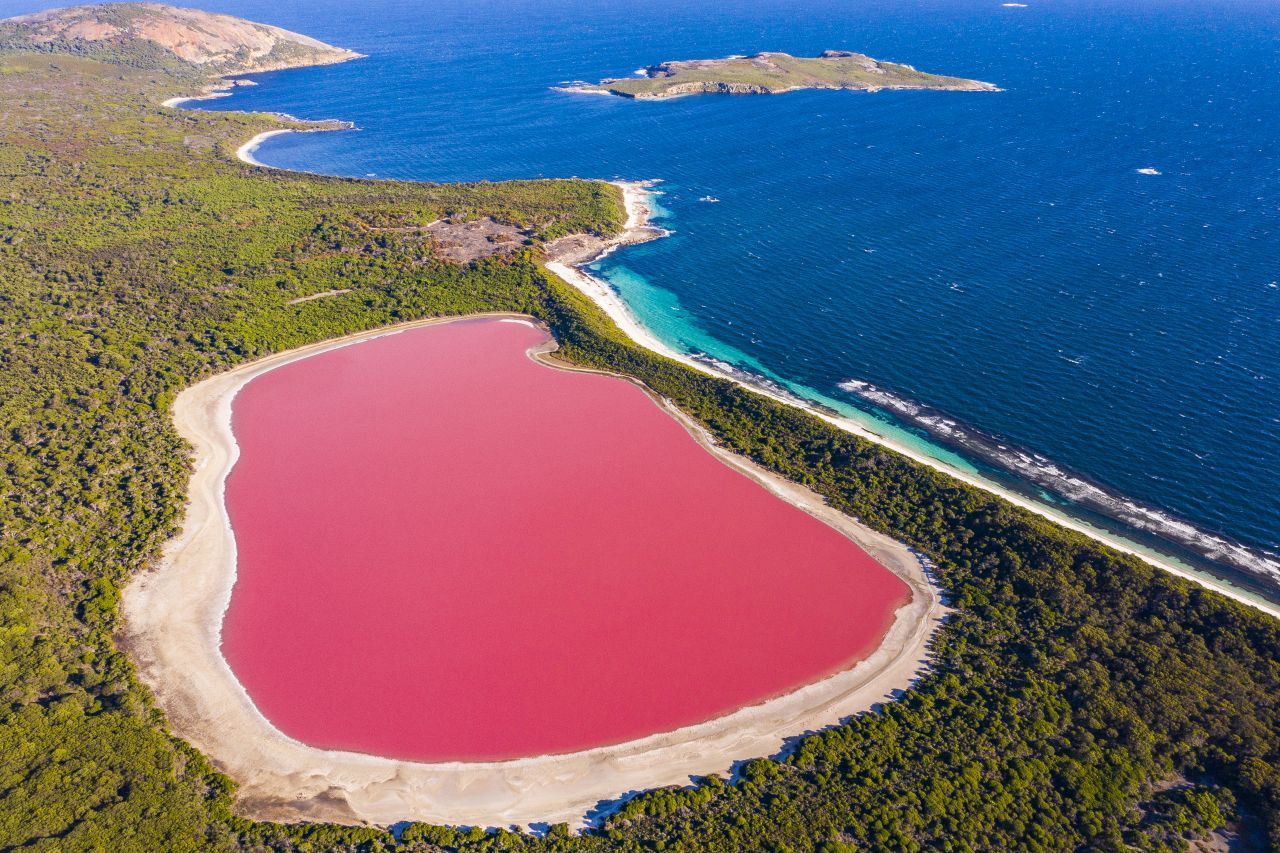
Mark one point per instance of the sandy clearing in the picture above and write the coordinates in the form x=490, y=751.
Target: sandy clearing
x=570, y=268
x=173, y=616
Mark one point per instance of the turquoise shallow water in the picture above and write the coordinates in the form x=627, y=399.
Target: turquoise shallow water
x=987, y=271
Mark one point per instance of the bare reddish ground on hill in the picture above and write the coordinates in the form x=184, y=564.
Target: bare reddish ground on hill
x=449, y=551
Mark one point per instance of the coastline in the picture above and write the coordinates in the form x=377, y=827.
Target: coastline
x=225, y=87
x=637, y=230
x=281, y=779
x=245, y=152
x=177, y=101
x=172, y=628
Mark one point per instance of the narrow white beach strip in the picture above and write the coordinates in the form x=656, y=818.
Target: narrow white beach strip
x=173, y=103
x=245, y=152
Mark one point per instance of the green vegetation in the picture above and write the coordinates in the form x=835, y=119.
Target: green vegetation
x=1079, y=698
x=771, y=73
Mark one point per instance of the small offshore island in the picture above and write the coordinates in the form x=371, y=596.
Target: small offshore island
x=771, y=73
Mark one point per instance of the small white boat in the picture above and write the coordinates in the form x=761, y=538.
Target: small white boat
x=709, y=198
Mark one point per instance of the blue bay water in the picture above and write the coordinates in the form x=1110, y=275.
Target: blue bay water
x=996, y=258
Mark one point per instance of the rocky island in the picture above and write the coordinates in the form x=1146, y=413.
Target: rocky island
x=773, y=73
x=188, y=42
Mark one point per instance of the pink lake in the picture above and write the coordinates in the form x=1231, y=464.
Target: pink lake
x=448, y=551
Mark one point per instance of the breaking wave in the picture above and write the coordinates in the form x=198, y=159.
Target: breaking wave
x=1032, y=467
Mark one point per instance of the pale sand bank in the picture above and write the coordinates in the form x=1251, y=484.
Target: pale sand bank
x=172, y=623
x=569, y=267
x=208, y=95
x=245, y=152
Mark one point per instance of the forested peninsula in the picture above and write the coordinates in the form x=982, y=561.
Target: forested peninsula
x=1078, y=698
x=771, y=73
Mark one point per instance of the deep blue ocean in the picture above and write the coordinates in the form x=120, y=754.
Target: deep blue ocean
x=990, y=272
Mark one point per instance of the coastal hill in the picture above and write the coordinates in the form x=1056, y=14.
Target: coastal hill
x=151, y=35
x=772, y=73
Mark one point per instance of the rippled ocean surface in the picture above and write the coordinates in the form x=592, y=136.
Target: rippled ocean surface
x=989, y=271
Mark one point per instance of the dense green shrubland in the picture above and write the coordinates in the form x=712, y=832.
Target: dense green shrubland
x=1079, y=698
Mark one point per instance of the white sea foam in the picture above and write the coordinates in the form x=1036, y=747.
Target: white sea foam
x=1045, y=473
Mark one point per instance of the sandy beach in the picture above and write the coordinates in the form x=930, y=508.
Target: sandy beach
x=569, y=266
x=172, y=626
x=245, y=152
x=174, y=103
x=223, y=90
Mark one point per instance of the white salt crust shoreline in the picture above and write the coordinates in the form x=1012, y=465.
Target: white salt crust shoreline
x=636, y=195
x=172, y=628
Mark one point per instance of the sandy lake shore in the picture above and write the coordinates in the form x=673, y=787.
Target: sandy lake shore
x=172, y=627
